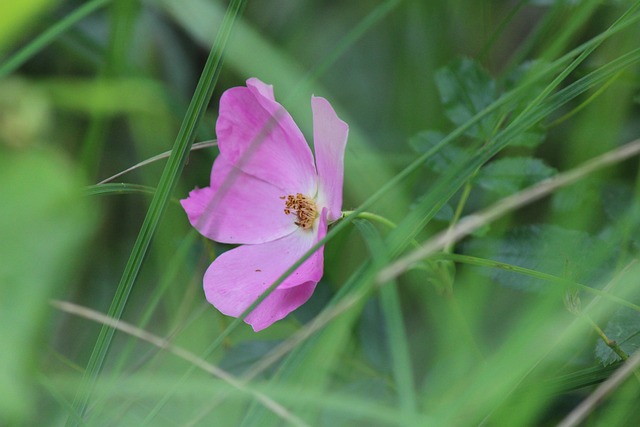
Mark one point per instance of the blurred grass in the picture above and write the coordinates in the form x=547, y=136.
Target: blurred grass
x=15, y=19
x=100, y=89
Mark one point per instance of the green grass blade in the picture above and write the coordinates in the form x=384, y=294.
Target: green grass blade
x=375, y=16
x=46, y=38
x=123, y=13
x=452, y=181
x=159, y=202
x=118, y=188
x=448, y=184
x=396, y=334
x=536, y=110
x=270, y=62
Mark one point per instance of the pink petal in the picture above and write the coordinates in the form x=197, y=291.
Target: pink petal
x=279, y=304
x=196, y=203
x=259, y=136
x=263, y=88
x=238, y=277
x=329, y=138
x=238, y=208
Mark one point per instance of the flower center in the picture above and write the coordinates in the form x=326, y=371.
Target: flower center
x=303, y=207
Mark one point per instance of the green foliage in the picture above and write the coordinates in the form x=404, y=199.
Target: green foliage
x=45, y=224
x=15, y=18
x=465, y=90
x=624, y=329
x=506, y=176
x=454, y=109
x=546, y=248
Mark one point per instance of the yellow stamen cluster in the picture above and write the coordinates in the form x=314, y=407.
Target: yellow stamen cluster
x=303, y=207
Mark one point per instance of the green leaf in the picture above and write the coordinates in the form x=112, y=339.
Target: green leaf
x=445, y=158
x=575, y=199
x=168, y=180
x=624, y=329
x=465, y=90
x=44, y=223
x=546, y=248
x=509, y=175
x=622, y=206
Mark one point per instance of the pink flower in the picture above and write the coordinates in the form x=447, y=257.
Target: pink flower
x=267, y=193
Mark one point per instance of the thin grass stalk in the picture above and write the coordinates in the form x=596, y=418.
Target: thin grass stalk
x=181, y=353
x=568, y=94
x=167, y=182
x=49, y=36
x=395, y=331
x=508, y=204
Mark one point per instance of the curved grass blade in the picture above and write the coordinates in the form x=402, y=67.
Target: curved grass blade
x=121, y=34
x=119, y=188
x=276, y=67
x=167, y=182
x=455, y=179
x=544, y=104
x=536, y=110
x=368, y=22
x=535, y=192
x=482, y=262
x=196, y=146
x=365, y=275
x=396, y=333
x=180, y=352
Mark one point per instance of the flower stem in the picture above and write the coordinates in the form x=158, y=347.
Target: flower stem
x=442, y=272
x=471, y=260
x=458, y=213
x=612, y=344
x=372, y=217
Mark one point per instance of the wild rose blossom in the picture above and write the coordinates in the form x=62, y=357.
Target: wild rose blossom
x=267, y=194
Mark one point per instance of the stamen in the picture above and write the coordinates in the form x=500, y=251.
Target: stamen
x=303, y=207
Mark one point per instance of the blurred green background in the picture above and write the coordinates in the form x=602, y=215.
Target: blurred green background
x=90, y=88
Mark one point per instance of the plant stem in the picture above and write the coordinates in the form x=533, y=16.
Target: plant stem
x=612, y=344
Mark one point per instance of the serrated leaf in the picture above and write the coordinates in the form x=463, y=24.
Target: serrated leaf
x=617, y=198
x=465, y=90
x=624, y=329
x=444, y=158
x=509, y=175
x=545, y=248
x=622, y=208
